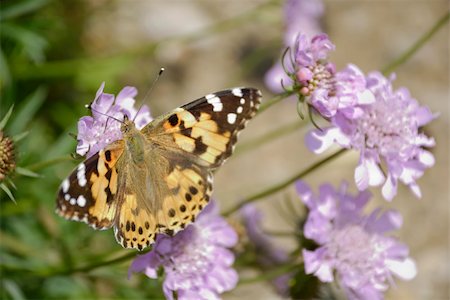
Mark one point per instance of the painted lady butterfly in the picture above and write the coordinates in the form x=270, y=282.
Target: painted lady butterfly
x=157, y=180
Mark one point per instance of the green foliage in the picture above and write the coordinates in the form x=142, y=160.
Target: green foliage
x=40, y=253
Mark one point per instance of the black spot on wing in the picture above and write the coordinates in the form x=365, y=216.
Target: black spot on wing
x=230, y=109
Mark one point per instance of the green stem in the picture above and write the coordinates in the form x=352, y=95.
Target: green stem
x=417, y=45
x=268, y=137
x=277, y=187
x=69, y=68
x=265, y=105
x=43, y=164
x=270, y=274
x=91, y=267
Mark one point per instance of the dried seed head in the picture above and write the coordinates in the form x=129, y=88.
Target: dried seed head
x=7, y=156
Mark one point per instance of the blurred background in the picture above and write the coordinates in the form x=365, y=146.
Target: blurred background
x=55, y=54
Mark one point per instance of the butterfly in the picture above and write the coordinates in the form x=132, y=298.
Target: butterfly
x=157, y=180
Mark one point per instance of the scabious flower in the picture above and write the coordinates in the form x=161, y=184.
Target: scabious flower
x=95, y=132
x=299, y=15
x=326, y=89
x=353, y=246
x=197, y=261
x=268, y=254
x=384, y=131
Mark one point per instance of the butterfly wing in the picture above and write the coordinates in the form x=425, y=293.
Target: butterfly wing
x=90, y=193
x=186, y=145
x=163, y=196
x=207, y=128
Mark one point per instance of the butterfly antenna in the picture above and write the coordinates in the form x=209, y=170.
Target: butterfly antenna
x=89, y=106
x=149, y=91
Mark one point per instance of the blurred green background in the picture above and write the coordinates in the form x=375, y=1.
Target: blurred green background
x=55, y=54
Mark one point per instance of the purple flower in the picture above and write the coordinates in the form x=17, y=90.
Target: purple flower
x=346, y=92
x=197, y=261
x=325, y=89
x=384, y=131
x=353, y=246
x=300, y=16
x=268, y=254
x=95, y=132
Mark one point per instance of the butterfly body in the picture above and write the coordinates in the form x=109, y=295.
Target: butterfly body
x=156, y=180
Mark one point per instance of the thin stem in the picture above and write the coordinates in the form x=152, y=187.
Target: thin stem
x=282, y=233
x=270, y=274
x=273, y=101
x=43, y=164
x=68, y=68
x=92, y=266
x=417, y=45
x=277, y=187
x=268, y=137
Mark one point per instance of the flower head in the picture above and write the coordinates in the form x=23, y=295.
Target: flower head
x=324, y=88
x=95, y=132
x=300, y=16
x=352, y=245
x=7, y=156
x=387, y=130
x=197, y=261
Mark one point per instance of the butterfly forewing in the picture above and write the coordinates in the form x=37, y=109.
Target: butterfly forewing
x=90, y=192
x=208, y=127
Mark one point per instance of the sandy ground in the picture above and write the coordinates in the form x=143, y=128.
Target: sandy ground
x=367, y=33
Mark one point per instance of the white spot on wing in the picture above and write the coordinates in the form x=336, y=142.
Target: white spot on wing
x=215, y=102
x=237, y=92
x=242, y=101
x=81, y=201
x=81, y=174
x=65, y=185
x=73, y=201
x=239, y=109
x=67, y=197
x=231, y=118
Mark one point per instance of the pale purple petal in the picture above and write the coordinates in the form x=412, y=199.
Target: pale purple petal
x=196, y=261
x=354, y=247
x=305, y=193
x=382, y=124
x=389, y=189
x=276, y=78
x=98, y=131
x=320, y=140
x=405, y=269
x=315, y=264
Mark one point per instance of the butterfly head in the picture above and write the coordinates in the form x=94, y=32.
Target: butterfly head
x=128, y=128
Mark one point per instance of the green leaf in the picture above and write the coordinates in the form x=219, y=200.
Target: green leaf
x=5, y=74
x=19, y=8
x=5, y=188
x=26, y=172
x=32, y=43
x=13, y=289
x=20, y=136
x=6, y=117
x=27, y=111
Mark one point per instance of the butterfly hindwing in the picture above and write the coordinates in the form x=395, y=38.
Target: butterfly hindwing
x=90, y=192
x=171, y=192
